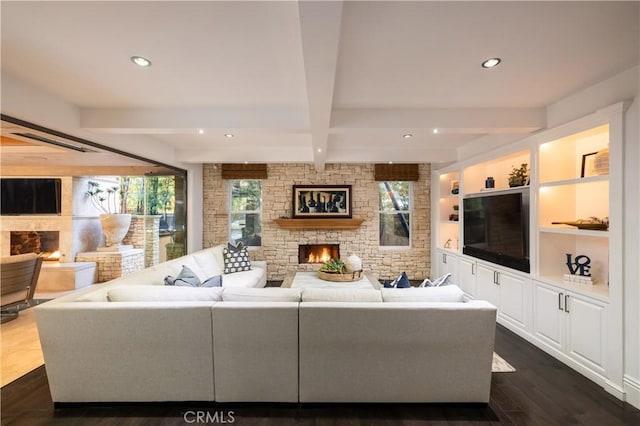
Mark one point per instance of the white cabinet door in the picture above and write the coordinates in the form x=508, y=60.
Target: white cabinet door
x=585, y=330
x=447, y=264
x=467, y=276
x=486, y=285
x=548, y=315
x=513, y=290
x=571, y=323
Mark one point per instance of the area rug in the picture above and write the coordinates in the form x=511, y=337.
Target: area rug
x=499, y=365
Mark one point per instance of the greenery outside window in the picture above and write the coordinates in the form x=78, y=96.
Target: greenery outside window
x=395, y=214
x=245, y=219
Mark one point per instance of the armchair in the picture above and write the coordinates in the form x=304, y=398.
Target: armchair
x=18, y=280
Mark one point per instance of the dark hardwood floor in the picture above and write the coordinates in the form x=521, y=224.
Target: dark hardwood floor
x=542, y=392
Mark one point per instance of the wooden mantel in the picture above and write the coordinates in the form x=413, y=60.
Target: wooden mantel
x=300, y=224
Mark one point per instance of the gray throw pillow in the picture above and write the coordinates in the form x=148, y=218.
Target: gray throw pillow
x=215, y=281
x=186, y=277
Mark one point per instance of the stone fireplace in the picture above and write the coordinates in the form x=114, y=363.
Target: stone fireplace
x=44, y=243
x=317, y=253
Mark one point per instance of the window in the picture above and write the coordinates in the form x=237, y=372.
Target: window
x=245, y=220
x=395, y=213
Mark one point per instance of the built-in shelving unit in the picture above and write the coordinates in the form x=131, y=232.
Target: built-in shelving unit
x=576, y=172
x=573, y=180
x=448, y=229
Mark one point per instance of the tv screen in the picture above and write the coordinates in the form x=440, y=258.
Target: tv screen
x=30, y=196
x=496, y=229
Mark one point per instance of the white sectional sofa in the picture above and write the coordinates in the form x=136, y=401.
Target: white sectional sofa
x=134, y=339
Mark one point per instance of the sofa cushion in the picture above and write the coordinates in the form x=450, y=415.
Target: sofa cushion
x=251, y=278
x=236, y=258
x=209, y=262
x=449, y=293
x=151, y=293
x=269, y=294
x=340, y=295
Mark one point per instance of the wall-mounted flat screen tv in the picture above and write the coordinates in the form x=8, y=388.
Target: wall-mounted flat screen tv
x=496, y=229
x=23, y=196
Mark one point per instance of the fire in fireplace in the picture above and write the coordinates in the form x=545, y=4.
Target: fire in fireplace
x=317, y=253
x=44, y=243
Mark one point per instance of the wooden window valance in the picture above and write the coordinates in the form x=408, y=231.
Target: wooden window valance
x=393, y=172
x=244, y=171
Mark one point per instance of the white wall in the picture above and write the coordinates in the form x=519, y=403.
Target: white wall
x=623, y=86
x=26, y=102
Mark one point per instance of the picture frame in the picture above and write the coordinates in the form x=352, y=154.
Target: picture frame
x=586, y=169
x=321, y=201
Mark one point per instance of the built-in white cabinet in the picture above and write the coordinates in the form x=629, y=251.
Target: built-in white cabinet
x=505, y=290
x=570, y=323
x=467, y=269
x=447, y=264
x=576, y=200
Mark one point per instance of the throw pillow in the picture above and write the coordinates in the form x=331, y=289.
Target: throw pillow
x=402, y=281
x=440, y=281
x=186, y=277
x=215, y=281
x=236, y=258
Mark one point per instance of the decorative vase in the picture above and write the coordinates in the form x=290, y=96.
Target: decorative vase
x=114, y=227
x=354, y=263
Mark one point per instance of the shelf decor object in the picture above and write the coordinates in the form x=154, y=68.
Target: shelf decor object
x=593, y=224
x=455, y=187
x=321, y=201
x=519, y=175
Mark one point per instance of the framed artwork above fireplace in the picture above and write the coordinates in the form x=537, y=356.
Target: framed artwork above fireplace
x=321, y=201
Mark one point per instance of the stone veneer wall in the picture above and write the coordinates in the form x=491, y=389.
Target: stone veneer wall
x=144, y=233
x=112, y=265
x=280, y=246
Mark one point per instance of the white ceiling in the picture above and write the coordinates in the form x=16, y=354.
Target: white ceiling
x=291, y=78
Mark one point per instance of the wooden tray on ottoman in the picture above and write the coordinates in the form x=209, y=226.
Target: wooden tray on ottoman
x=341, y=278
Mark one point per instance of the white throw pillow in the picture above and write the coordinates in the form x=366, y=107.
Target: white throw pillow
x=152, y=293
x=440, y=281
x=340, y=295
x=448, y=293
x=268, y=294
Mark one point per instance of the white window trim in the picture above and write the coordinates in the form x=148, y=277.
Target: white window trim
x=410, y=211
x=232, y=212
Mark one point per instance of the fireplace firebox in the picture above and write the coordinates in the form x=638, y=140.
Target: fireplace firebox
x=317, y=253
x=44, y=243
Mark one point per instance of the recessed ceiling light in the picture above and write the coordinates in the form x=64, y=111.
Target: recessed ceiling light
x=407, y=135
x=201, y=131
x=491, y=63
x=229, y=135
x=435, y=131
x=140, y=61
